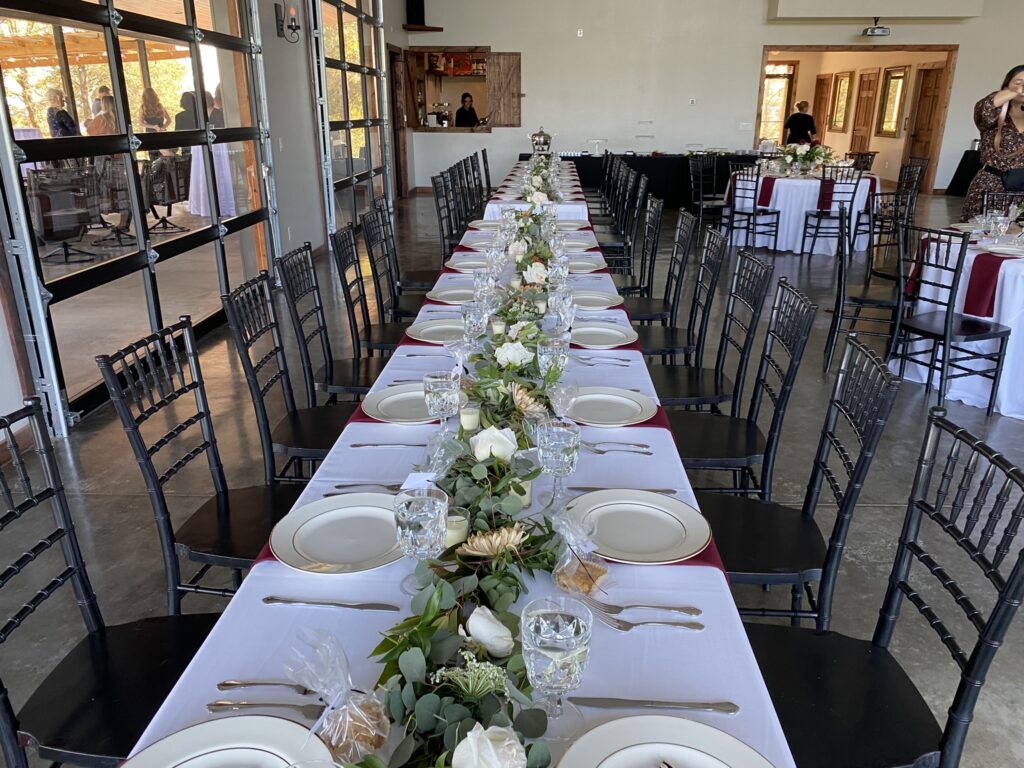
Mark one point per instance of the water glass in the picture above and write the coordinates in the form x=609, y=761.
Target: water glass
x=482, y=282
x=558, y=272
x=562, y=396
x=421, y=518
x=460, y=348
x=555, y=633
x=441, y=390
x=558, y=448
x=1001, y=224
x=474, y=318
x=552, y=352
x=561, y=303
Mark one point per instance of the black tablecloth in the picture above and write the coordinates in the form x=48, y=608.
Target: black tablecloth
x=668, y=176
x=969, y=166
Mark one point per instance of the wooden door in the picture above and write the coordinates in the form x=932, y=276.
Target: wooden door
x=396, y=82
x=867, y=93
x=925, y=112
x=504, y=83
x=819, y=109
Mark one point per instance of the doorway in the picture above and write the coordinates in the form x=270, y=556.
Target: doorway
x=867, y=94
x=819, y=107
x=396, y=81
x=777, y=90
x=925, y=111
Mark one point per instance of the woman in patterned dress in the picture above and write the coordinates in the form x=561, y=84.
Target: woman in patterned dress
x=1000, y=118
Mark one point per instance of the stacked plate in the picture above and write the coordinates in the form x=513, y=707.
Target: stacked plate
x=611, y=407
x=595, y=299
x=484, y=224
x=595, y=334
x=451, y=295
x=579, y=244
x=1006, y=250
x=467, y=262
x=581, y=265
x=436, y=331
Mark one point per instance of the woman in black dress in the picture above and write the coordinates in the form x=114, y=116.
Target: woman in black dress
x=800, y=127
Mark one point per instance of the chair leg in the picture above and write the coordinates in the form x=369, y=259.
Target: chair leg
x=931, y=365
x=796, y=602
x=833, y=336
x=997, y=377
x=814, y=239
x=943, y=374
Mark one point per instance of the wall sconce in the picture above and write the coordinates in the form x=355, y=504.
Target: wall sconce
x=287, y=15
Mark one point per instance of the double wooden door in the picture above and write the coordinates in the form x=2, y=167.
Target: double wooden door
x=867, y=95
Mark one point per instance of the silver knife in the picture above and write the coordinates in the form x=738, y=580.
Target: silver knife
x=592, y=488
x=604, y=702
x=308, y=711
x=275, y=600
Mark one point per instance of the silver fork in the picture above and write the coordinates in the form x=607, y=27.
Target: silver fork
x=615, y=610
x=621, y=625
x=597, y=443
x=309, y=711
x=603, y=451
x=388, y=445
x=595, y=364
x=367, y=484
x=227, y=685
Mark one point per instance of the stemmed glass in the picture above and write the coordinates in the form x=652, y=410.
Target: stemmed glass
x=561, y=302
x=1001, y=224
x=562, y=396
x=558, y=447
x=474, y=318
x=421, y=523
x=460, y=348
x=552, y=352
x=555, y=632
x=441, y=390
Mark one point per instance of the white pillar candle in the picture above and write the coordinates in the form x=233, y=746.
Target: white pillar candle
x=516, y=283
x=458, y=530
x=542, y=305
x=469, y=417
x=527, y=495
x=497, y=325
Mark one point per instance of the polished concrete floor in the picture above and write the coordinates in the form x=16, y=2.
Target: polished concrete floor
x=116, y=528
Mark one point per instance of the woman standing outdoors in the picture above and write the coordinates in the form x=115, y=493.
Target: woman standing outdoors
x=1000, y=118
x=152, y=113
x=61, y=123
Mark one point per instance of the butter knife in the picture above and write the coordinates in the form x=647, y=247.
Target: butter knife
x=275, y=600
x=592, y=488
x=605, y=702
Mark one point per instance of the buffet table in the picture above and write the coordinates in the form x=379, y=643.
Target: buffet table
x=254, y=640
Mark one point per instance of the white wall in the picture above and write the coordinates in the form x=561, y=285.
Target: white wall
x=644, y=62
x=293, y=128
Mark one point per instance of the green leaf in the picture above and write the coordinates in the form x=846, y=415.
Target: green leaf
x=532, y=723
x=444, y=646
x=516, y=664
x=511, y=505
x=426, y=711
x=538, y=756
x=419, y=601
x=479, y=471
x=447, y=596
x=431, y=609
x=504, y=602
x=396, y=709
x=441, y=759
x=372, y=761
x=455, y=712
x=403, y=751
x=489, y=706
x=481, y=524
x=450, y=734
x=517, y=695
x=413, y=665
x=500, y=720
x=408, y=696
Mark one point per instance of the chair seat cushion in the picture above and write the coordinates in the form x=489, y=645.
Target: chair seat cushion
x=757, y=537
x=384, y=336
x=686, y=385
x=822, y=684
x=711, y=440
x=663, y=340
x=231, y=528
x=965, y=328
x=641, y=308
x=310, y=432
x=101, y=696
x=351, y=375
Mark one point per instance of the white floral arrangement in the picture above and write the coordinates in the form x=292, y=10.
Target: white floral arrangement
x=813, y=155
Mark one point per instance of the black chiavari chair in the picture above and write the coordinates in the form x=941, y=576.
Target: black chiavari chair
x=999, y=203
x=836, y=196
x=487, y=172
x=618, y=247
x=391, y=305
x=704, y=199
x=643, y=284
x=413, y=281
x=446, y=228
x=743, y=211
x=862, y=161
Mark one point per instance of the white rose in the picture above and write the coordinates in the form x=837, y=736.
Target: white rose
x=512, y=354
x=499, y=443
x=492, y=748
x=537, y=180
x=538, y=198
x=789, y=158
x=487, y=631
x=536, y=273
x=517, y=249
x=513, y=331
x=802, y=149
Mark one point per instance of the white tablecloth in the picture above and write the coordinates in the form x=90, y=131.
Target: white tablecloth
x=570, y=209
x=1008, y=309
x=198, y=196
x=792, y=197
x=253, y=640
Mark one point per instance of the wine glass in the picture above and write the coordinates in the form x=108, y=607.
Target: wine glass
x=421, y=524
x=562, y=395
x=474, y=318
x=552, y=352
x=1001, y=224
x=558, y=447
x=558, y=272
x=441, y=390
x=561, y=302
x=460, y=348
x=555, y=633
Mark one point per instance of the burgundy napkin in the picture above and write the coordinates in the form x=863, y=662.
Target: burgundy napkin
x=981, y=286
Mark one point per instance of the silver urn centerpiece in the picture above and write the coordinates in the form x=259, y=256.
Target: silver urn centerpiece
x=541, y=141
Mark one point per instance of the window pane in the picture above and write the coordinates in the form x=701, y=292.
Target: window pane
x=225, y=74
x=371, y=97
x=350, y=31
x=375, y=147
x=354, y=81
x=158, y=75
x=174, y=192
x=219, y=15
x=236, y=169
x=171, y=10
x=368, y=45
x=246, y=254
x=360, y=151
x=378, y=185
x=331, y=35
x=80, y=214
x=335, y=95
x=188, y=284
x=893, y=98
x=363, y=197
x=368, y=6
x=98, y=322
x=343, y=200
x=773, y=107
x=341, y=158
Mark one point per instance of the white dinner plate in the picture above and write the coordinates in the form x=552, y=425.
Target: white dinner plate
x=484, y=224
x=466, y=262
x=479, y=245
x=595, y=299
x=594, y=334
x=963, y=226
x=436, y=331
x=1006, y=250
x=338, y=534
x=582, y=266
x=400, y=404
x=570, y=225
x=507, y=196
x=642, y=527
x=611, y=407
x=650, y=740
x=451, y=295
x=253, y=741
x=578, y=243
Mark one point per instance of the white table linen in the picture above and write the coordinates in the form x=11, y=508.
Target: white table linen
x=254, y=641
x=569, y=209
x=1008, y=310
x=793, y=197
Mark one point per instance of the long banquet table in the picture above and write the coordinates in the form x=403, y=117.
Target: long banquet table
x=254, y=641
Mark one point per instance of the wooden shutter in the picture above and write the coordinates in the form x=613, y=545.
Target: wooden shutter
x=503, y=90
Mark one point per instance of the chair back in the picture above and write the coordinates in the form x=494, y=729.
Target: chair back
x=788, y=331
x=910, y=178
x=28, y=483
x=713, y=248
x=965, y=510
x=256, y=331
x=746, y=183
x=858, y=409
x=686, y=232
x=384, y=288
x=703, y=177
x=144, y=380
x=999, y=203
x=862, y=161
x=838, y=187
x=454, y=192
x=931, y=267
x=305, y=305
x=445, y=222
x=649, y=244
x=920, y=162
x=478, y=182
x=626, y=198
x=487, y=171
x=353, y=289
x=750, y=283
x=474, y=193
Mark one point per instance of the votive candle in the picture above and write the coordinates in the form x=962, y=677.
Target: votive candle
x=469, y=417
x=458, y=530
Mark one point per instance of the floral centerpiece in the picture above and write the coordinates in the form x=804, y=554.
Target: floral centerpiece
x=807, y=157
x=539, y=181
